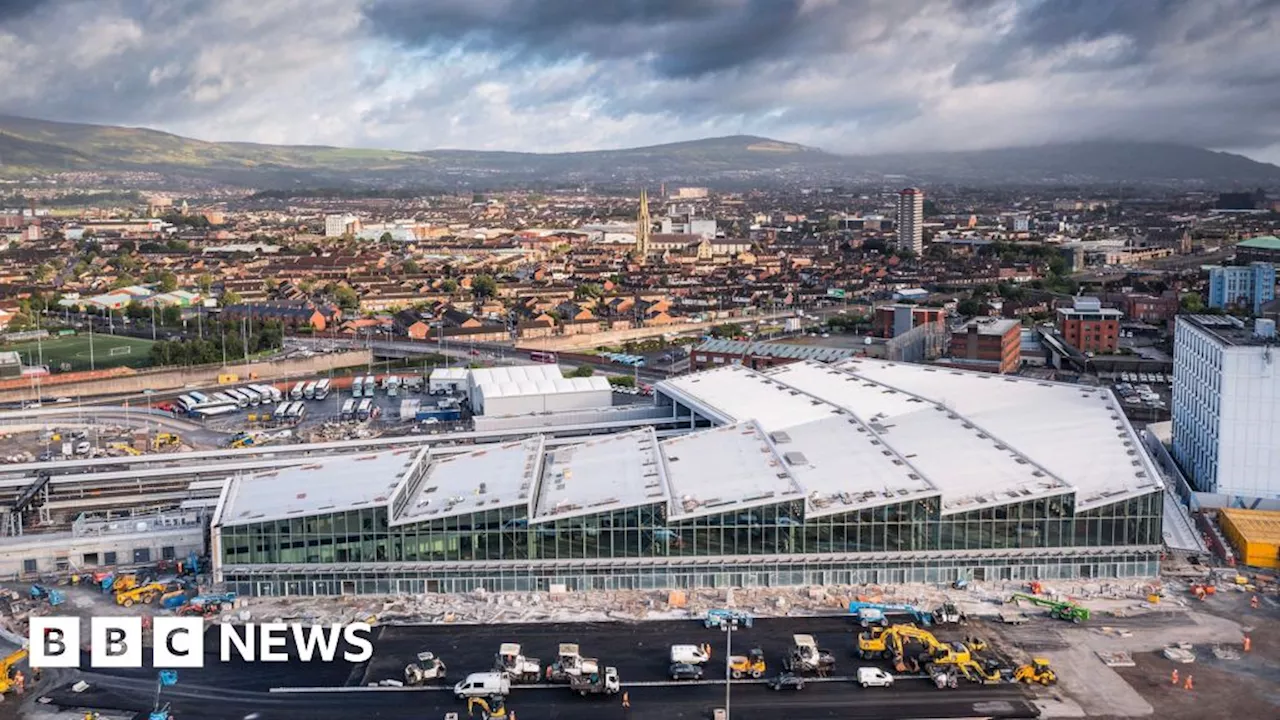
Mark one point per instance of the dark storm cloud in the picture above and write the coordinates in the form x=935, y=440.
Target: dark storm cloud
x=11, y=9
x=1144, y=26
x=681, y=38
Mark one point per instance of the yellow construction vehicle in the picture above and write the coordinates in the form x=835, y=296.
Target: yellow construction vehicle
x=958, y=658
x=145, y=594
x=1037, y=671
x=6, y=669
x=750, y=664
x=494, y=707
x=164, y=440
x=123, y=583
x=892, y=642
x=125, y=448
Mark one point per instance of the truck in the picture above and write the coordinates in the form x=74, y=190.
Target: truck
x=570, y=663
x=596, y=683
x=868, y=614
x=806, y=657
x=512, y=663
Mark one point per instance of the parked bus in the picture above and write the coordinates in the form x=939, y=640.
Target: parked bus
x=357, y=387
x=269, y=393
x=296, y=392
x=322, y=389
x=365, y=410
x=186, y=402
x=544, y=357
x=223, y=397
x=392, y=385
x=254, y=398
x=199, y=397
x=240, y=397
x=213, y=409
x=309, y=392
x=348, y=409
x=370, y=385
x=298, y=413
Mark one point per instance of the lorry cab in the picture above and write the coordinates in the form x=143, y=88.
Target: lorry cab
x=483, y=685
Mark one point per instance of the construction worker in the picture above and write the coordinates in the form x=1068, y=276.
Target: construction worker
x=626, y=700
x=19, y=682
x=1188, y=685
x=1247, y=643
x=1253, y=602
x=1173, y=677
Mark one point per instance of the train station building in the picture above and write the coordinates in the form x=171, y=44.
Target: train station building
x=862, y=471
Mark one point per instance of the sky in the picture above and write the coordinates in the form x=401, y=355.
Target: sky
x=852, y=76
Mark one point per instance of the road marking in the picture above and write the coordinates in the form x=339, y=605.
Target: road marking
x=548, y=686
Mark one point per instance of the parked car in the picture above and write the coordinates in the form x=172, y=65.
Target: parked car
x=685, y=671
x=786, y=681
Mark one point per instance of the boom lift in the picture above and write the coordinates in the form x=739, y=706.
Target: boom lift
x=1059, y=609
x=869, y=614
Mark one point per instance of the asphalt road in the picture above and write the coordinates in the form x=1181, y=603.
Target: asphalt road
x=639, y=651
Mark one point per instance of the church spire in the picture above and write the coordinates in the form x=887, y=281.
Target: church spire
x=643, y=226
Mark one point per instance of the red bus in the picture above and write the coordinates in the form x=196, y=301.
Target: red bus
x=540, y=356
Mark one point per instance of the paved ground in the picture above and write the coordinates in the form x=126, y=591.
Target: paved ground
x=638, y=650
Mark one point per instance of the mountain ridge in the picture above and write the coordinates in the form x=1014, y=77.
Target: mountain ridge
x=31, y=146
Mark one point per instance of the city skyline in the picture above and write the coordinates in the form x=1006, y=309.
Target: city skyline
x=558, y=76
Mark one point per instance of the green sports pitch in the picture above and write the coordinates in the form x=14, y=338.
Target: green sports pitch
x=71, y=353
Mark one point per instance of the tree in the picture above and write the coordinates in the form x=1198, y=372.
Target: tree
x=969, y=307
x=171, y=316
x=484, y=286
x=448, y=285
x=582, y=371
x=168, y=281
x=410, y=267
x=346, y=298
x=622, y=381
x=20, y=322
x=41, y=272
x=123, y=280
x=1192, y=302
x=386, y=238
x=136, y=311
x=587, y=290
x=205, y=282
x=230, y=297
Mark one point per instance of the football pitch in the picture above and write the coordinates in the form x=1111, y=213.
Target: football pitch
x=71, y=353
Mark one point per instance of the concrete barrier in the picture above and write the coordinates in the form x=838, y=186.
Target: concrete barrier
x=169, y=379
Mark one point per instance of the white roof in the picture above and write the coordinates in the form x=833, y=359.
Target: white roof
x=491, y=477
x=734, y=393
x=448, y=373
x=972, y=467
x=328, y=486
x=515, y=374
x=550, y=386
x=724, y=469
x=1078, y=433
x=821, y=453
x=612, y=472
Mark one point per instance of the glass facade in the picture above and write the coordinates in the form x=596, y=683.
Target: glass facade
x=504, y=533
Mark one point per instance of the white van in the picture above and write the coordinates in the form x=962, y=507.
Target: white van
x=483, y=685
x=874, y=677
x=689, y=654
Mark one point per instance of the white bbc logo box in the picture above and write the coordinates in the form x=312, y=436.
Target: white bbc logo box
x=115, y=642
x=178, y=642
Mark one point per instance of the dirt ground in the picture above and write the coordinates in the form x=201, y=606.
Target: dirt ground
x=1247, y=688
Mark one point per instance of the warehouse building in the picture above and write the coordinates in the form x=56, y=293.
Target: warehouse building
x=524, y=389
x=862, y=471
x=1255, y=535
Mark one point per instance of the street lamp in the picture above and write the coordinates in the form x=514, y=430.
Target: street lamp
x=728, y=626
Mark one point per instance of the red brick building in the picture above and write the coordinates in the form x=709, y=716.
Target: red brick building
x=1089, y=327
x=987, y=343
x=889, y=321
x=1151, y=308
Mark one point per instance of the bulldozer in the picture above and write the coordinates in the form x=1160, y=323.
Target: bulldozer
x=164, y=440
x=143, y=593
x=1037, y=671
x=750, y=664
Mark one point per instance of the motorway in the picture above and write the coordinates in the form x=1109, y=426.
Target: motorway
x=639, y=651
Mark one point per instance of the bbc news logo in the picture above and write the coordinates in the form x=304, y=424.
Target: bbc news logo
x=179, y=642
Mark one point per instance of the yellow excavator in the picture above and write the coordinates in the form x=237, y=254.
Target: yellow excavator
x=892, y=642
x=144, y=594
x=1037, y=671
x=6, y=669
x=959, y=658
x=494, y=707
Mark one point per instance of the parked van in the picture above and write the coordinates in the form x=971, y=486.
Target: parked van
x=874, y=677
x=690, y=654
x=483, y=685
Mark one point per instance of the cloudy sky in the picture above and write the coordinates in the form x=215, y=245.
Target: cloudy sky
x=546, y=75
